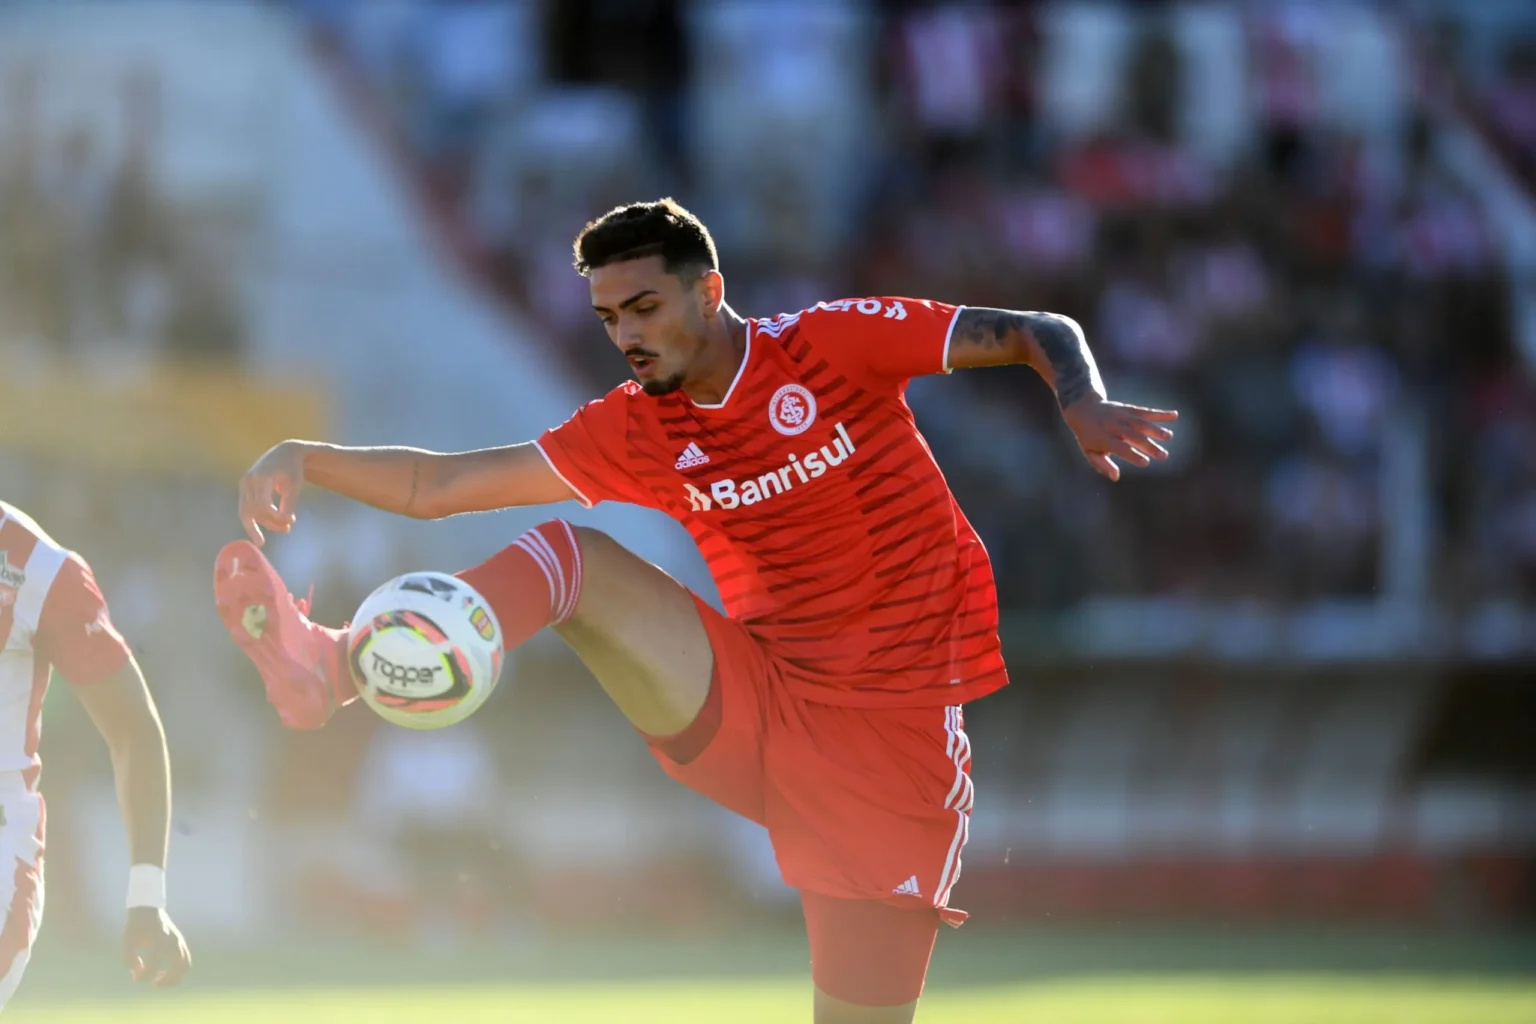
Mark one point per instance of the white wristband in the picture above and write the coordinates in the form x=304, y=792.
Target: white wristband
x=146, y=886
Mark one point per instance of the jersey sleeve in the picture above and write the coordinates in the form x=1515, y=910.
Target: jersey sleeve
x=74, y=631
x=883, y=342
x=589, y=451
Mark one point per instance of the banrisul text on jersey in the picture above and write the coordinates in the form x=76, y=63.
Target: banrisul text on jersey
x=799, y=469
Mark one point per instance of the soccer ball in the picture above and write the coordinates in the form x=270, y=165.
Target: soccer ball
x=425, y=650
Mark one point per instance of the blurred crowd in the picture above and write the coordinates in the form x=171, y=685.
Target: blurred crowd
x=1501, y=93
x=1299, y=298
x=98, y=262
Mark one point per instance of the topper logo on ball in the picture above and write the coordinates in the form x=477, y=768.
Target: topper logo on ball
x=402, y=677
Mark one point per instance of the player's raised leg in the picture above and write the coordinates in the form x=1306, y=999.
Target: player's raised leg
x=633, y=625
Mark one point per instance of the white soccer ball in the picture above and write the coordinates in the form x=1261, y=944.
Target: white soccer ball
x=425, y=650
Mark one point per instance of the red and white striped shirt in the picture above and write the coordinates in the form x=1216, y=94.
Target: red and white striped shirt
x=52, y=615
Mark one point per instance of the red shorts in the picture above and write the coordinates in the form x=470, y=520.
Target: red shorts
x=861, y=803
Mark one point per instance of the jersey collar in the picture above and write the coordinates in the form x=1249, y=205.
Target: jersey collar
x=746, y=357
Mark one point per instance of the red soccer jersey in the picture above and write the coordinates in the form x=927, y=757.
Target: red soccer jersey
x=824, y=519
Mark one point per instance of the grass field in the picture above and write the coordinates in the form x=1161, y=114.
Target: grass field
x=1270, y=999
x=1062, y=977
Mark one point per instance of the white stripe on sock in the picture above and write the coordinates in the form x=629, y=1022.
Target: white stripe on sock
x=542, y=559
x=559, y=599
x=575, y=589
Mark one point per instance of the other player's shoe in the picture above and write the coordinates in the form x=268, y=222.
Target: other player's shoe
x=302, y=663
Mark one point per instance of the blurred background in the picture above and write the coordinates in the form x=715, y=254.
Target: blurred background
x=1284, y=680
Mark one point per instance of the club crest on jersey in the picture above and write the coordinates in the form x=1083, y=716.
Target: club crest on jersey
x=11, y=579
x=792, y=409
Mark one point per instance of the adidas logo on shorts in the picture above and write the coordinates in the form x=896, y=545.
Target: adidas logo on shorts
x=692, y=456
x=908, y=888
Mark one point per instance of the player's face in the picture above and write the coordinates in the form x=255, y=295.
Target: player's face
x=656, y=319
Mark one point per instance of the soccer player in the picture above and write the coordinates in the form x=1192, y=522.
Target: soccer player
x=861, y=615
x=53, y=618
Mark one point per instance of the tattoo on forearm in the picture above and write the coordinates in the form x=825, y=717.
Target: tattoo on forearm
x=1067, y=354
x=1040, y=339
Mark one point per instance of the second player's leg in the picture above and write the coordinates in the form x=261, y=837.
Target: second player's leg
x=21, y=890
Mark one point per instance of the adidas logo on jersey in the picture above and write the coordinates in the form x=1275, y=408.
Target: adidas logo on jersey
x=729, y=494
x=908, y=888
x=692, y=456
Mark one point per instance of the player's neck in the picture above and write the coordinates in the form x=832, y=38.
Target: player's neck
x=725, y=348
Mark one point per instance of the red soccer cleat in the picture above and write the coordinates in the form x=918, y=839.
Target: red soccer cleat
x=302, y=663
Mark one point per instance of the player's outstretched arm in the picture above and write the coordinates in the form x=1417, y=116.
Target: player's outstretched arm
x=1054, y=345
x=406, y=481
x=126, y=717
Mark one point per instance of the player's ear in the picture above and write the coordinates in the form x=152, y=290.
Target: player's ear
x=710, y=288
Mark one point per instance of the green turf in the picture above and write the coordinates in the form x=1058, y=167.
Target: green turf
x=65, y=968
x=1163, y=999
x=1060, y=975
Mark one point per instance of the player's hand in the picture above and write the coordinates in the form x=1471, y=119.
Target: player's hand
x=1112, y=430
x=153, y=949
x=279, y=472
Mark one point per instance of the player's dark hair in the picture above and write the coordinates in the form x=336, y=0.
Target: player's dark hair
x=633, y=232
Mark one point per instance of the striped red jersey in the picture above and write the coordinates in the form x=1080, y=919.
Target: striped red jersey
x=825, y=521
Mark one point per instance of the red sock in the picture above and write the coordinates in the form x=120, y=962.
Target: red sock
x=533, y=582
x=343, y=686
